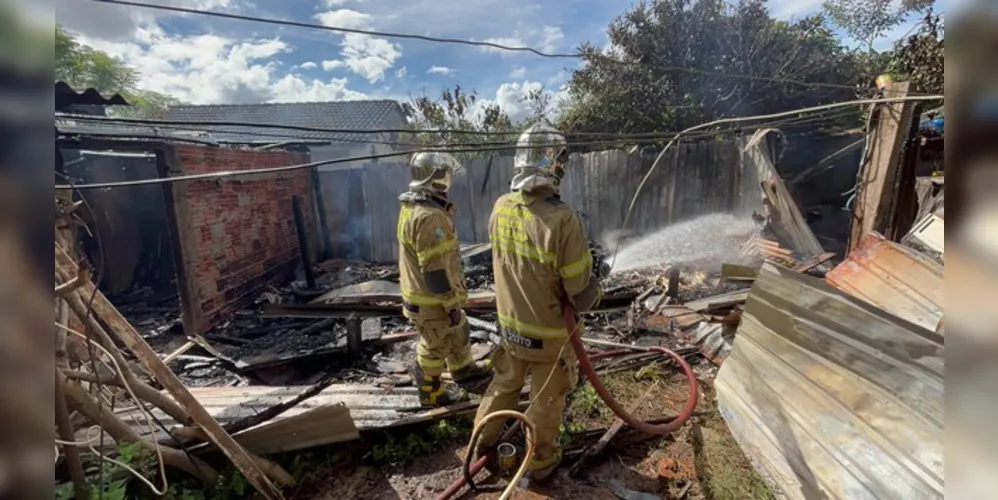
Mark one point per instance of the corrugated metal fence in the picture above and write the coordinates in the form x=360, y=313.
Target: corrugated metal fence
x=693, y=179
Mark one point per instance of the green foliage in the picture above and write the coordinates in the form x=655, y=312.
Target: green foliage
x=565, y=431
x=637, y=85
x=84, y=67
x=401, y=450
x=116, y=477
x=919, y=57
x=585, y=402
x=651, y=371
x=454, y=110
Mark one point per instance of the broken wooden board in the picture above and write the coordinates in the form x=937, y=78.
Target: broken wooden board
x=681, y=316
x=718, y=301
x=814, y=262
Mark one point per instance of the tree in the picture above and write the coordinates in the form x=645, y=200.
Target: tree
x=83, y=67
x=675, y=63
x=455, y=110
x=919, y=57
x=867, y=21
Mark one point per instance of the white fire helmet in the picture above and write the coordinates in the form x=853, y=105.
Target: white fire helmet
x=433, y=171
x=541, y=157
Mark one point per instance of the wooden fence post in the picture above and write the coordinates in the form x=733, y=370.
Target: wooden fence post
x=881, y=169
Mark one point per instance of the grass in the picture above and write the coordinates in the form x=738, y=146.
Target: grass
x=725, y=472
x=402, y=449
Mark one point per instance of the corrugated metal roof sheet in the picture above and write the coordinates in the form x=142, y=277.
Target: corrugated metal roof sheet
x=894, y=278
x=355, y=115
x=832, y=398
x=66, y=96
x=334, y=415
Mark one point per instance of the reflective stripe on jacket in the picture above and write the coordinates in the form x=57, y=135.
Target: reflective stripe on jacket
x=427, y=243
x=541, y=258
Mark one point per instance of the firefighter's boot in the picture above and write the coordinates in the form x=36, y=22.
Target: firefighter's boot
x=433, y=392
x=475, y=369
x=542, y=469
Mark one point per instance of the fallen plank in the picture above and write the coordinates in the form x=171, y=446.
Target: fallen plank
x=718, y=301
x=681, y=316
x=814, y=262
x=179, y=351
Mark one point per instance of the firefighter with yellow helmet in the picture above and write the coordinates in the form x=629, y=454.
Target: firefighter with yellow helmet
x=432, y=280
x=541, y=259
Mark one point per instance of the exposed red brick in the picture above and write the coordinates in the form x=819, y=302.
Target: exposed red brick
x=241, y=229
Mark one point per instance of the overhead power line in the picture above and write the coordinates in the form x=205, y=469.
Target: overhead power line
x=460, y=147
x=199, y=125
x=475, y=43
x=235, y=173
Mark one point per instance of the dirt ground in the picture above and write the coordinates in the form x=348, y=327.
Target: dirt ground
x=700, y=461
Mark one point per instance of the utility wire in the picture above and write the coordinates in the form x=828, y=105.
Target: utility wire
x=235, y=173
x=199, y=125
x=644, y=138
x=476, y=43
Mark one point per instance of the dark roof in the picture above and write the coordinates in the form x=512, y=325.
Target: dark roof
x=356, y=115
x=66, y=96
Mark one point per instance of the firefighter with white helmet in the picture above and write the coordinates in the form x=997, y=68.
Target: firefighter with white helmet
x=432, y=280
x=541, y=259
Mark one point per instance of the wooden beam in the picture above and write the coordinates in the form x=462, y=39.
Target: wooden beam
x=110, y=316
x=876, y=195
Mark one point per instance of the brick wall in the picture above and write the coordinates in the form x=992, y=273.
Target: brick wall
x=237, y=234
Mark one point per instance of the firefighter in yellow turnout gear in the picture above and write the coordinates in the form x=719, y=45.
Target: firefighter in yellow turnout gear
x=541, y=259
x=432, y=280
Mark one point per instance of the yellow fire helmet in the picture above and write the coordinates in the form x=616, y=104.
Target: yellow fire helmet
x=541, y=156
x=433, y=171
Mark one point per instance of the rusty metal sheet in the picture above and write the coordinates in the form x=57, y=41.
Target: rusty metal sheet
x=894, y=278
x=833, y=398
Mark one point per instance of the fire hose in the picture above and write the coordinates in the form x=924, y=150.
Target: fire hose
x=585, y=364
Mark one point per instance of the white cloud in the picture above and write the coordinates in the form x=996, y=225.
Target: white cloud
x=551, y=37
x=292, y=88
x=334, y=3
x=118, y=22
x=344, y=18
x=369, y=56
x=440, y=70
x=209, y=69
x=365, y=55
x=331, y=65
x=308, y=65
x=401, y=72
x=518, y=72
x=511, y=97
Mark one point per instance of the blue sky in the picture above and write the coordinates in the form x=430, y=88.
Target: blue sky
x=210, y=60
